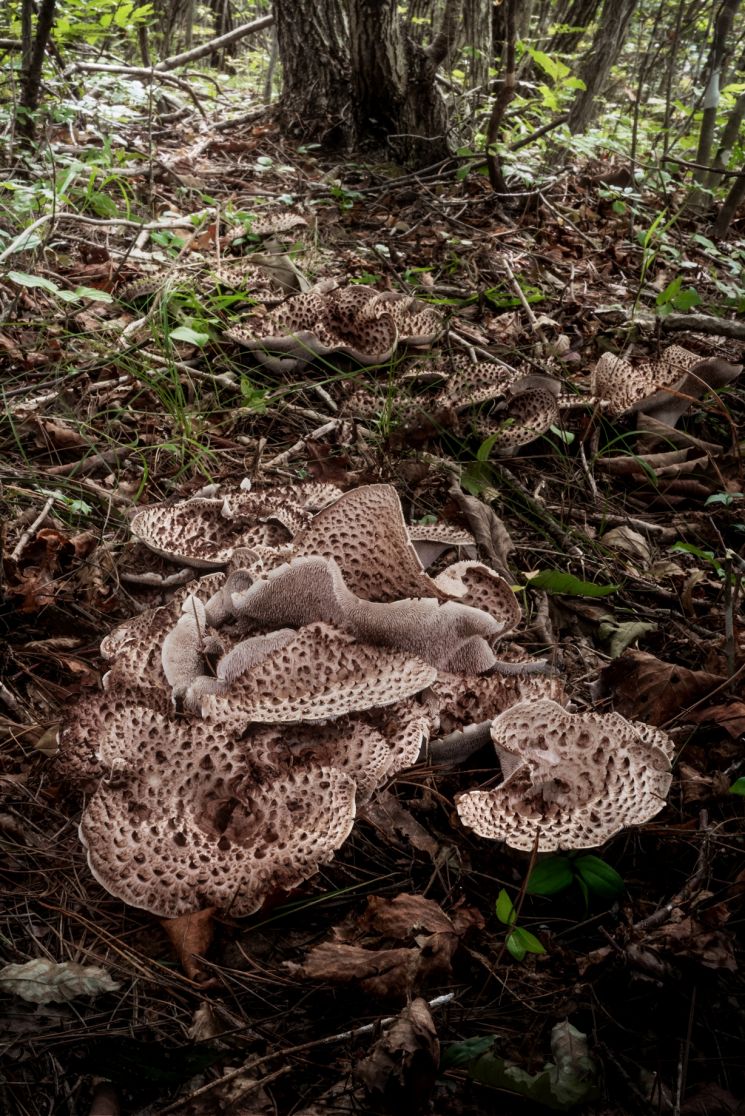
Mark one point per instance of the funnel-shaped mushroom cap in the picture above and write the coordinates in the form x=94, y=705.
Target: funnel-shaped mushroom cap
x=320, y=673
x=574, y=779
x=183, y=827
x=365, y=533
x=532, y=408
x=653, y=385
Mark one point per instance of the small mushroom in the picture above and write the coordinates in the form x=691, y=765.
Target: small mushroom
x=571, y=780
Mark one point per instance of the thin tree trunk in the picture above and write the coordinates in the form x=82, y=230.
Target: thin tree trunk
x=34, y=46
x=577, y=16
x=722, y=29
x=607, y=44
x=501, y=101
x=477, y=40
x=731, y=204
x=730, y=134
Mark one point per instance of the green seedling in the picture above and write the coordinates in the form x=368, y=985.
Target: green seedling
x=738, y=787
x=589, y=873
x=519, y=941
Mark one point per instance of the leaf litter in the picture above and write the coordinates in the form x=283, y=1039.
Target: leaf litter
x=257, y=1012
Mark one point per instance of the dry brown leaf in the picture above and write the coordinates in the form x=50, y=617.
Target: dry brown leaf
x=403, y=1064
x=730, y=716
x=644, y=688
x=191, y=936
x=386, y=813
x=391, y=972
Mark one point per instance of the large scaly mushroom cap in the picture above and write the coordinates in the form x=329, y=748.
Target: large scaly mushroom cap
x=204, y=532
x=319, y=673
x=186, y=821
x=665, y=387
x=355, y=321
x=572, y=780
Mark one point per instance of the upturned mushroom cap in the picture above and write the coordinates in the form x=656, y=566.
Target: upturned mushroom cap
x=572, y=780
x=364, y=531
x=187, y=824
x=674, y=381
x=450, y=635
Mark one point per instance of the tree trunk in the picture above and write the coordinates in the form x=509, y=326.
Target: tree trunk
x=722, y=28
x=393, y=81
x=476, y=40
x=731, y=204
x=576, y=17
x=313, y=43
x=352, y=75
x=606, y=46
x=34, y=46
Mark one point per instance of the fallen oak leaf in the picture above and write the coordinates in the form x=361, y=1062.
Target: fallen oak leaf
x=42, y=981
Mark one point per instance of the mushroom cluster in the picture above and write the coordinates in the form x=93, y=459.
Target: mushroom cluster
x=243, y=724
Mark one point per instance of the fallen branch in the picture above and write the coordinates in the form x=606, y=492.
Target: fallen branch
x=215, y=44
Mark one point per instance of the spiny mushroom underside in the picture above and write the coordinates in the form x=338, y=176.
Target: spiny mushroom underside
x=243, y=722
x=572, y=780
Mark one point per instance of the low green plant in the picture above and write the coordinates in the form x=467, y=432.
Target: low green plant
x=519, y=941
x=591, y=874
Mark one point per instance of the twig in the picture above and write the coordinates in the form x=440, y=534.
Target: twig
x=328, y=1040
x=30, y=531
x=299, y=446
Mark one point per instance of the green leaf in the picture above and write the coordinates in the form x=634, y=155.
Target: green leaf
x=670, y=291
x=600, y=878
x=556, y=581
x=725, y=498
x=515, y=946
x=621, y=636
x=93, y=294
x=25, y=280
x=524, y=941
x=458, y=1054
x=566, y=436
x=186, y=333
x=505, y=910
x=550, y=876
x=618, y=206
x=687, y=299
x=738, y=787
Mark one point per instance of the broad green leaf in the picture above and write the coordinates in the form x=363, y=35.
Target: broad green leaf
x=738, y=787
x=186, y=333
x=600, y=878
x=687, y=299
x=515, y=946
x=550, y=876
x=25, y=280
x=725, y=498
x=525, y=941
x=505, y=910
x=93, y=294
x=670, y=291
x=556, y=581
x=563, y=1084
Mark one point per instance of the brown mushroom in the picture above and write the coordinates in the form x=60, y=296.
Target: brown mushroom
x=571, y=780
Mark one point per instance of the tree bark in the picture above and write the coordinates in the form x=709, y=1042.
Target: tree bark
x=313, y=41
x=34, y=46
x=393, y=81
x=501, y=101
x=576, y=17
x=476, y=38
x=722, y=28
x=606, y=46
x=730, y=205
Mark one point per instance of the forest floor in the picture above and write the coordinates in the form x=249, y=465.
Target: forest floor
x=95, y=425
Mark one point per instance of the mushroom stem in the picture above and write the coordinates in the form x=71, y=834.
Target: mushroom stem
x=457, y=746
